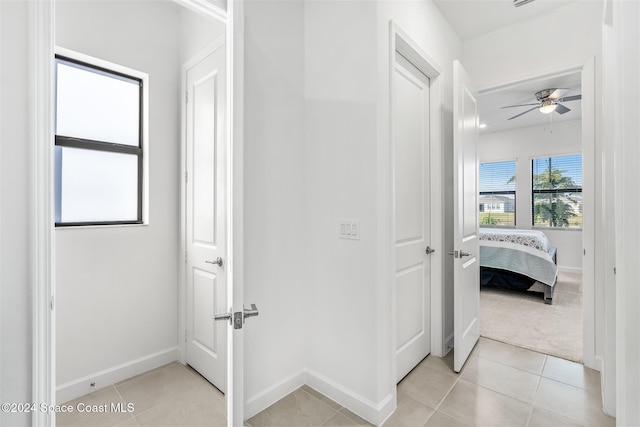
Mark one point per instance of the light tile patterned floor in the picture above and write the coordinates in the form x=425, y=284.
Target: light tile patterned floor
x=172, y=396
x=500, y=385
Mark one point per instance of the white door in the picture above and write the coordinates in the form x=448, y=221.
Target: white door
x=412, y=226
x=466, y=271
x=206, y=187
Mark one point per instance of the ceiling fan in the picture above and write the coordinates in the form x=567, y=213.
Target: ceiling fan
x=548, y=101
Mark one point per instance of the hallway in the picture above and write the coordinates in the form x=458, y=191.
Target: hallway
x=500, y=385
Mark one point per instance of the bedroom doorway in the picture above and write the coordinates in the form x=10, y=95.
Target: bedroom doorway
x=522, y=146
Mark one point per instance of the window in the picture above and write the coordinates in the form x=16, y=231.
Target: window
x=497, y=193
x=557, y=191
x=98, y=145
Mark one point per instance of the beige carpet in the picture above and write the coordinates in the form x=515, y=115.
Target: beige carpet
x=524, y=320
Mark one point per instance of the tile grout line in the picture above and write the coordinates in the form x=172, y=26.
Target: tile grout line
x=168, y=399
x=536, y=392
x=130, y=414
x=330, y=407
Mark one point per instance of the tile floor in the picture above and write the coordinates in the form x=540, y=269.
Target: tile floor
x=500, y=385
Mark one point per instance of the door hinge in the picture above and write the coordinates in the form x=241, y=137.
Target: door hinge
x=186, y=97
x=186, y=177
x=186, y=256
x=51, y=303
x=185, y=335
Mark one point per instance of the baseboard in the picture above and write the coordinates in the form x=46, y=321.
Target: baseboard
x=359, y=405
x=564, y=269
x=262, y=400
x=76, y=388
x=374, y=413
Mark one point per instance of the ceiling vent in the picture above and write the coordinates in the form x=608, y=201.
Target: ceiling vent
x=518, y=3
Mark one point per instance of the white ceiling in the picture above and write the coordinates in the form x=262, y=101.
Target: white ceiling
x=497, y=118
x=471, y=18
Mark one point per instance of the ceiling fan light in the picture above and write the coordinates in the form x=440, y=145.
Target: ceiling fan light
x=548, y=107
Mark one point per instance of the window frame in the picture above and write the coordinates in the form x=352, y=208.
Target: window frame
x=141, y=150
x=553, y=191
x=493, y=193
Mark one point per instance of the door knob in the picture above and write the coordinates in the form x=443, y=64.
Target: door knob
x=429, y=250
x=218, y=262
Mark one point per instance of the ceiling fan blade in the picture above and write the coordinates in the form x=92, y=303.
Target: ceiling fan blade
x=556, y=94
x=570, y=98
x=561, y=109
x=520, y=105
x=525, y=112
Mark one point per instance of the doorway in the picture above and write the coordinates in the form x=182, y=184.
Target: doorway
x=417, y=244
x=205, y=222
x=412, y=207
x=116, y=291
x=517, y=141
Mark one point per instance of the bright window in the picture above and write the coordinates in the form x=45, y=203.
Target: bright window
x=497, y=194
x=557, y=191
x=98, y=153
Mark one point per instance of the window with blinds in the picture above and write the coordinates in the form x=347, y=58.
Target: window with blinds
x=557, y=191
x=497, y=194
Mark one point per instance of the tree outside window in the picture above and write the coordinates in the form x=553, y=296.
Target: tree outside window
x=557, y=191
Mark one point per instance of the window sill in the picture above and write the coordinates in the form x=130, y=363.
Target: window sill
x=85, y=227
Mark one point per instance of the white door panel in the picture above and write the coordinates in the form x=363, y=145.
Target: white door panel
x=466, y=247
x=411, y=160
x=205, y=222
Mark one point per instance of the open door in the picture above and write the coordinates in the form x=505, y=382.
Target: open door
x=466, y=271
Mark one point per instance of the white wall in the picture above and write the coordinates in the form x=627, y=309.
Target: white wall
x=275, y=230
x=196, y=33
x=522, y=145
x=314, y=110
x=116, y=287
x=340, y=174
x=16, y=210
x=562, y=40
x=623, y=128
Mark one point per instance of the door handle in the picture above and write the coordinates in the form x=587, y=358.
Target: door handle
x=224, y=316
x=251, y=312
x=454, y=253
x=218, y=262
x=429, y=250
x=463, y=254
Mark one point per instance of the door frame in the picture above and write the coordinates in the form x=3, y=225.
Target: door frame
x=590, y=122
x=401, y=42
x=41, y=95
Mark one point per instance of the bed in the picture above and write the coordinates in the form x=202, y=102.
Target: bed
x=518, y=259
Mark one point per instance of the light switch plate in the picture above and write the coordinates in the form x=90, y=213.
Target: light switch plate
x=349, y=229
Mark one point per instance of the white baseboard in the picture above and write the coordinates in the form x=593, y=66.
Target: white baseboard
x=262, y=400
x=564, y=269
x=370, y=411
x=76, y=388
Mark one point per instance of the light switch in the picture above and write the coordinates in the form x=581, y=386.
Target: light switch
x=349, y=229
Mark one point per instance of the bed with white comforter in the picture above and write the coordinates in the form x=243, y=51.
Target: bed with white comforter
x=508, y=257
